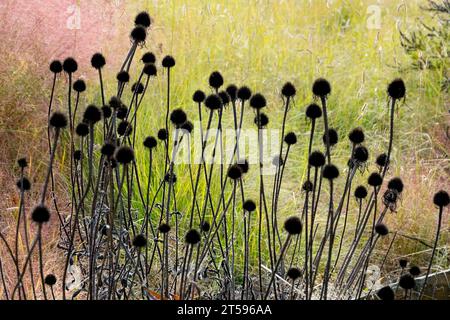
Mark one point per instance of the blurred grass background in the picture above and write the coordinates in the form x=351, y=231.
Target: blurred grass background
x=263, y=44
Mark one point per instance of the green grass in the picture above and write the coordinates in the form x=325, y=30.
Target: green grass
x=263, y=44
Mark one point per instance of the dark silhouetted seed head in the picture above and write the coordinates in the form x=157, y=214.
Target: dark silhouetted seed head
x=162, y=134
x=124, y=155
x=244, y=93
x=150, y=69
x=381, y=229
x=386, y=294
x=381, y=160
x=123, y=76
x=290, y=138
x=168, y=62
x=396, y=184
x=249, y=205
x=58, y=120
x=375, y=179
x=50, y=279
x=115, y=103
x=143, y=19
x=139, y=241
x=205, y=227
x=356, y=136
x=396, y=89
x=198, y=96
x=82, y=129
x=106, y=112
x=407, y=282
x=215, y=80
x=234, y=172
x=98, y=61
x=164, y=228
x=150, y=142
x=403, y=263
x=213, y=102
x=307, y=186
x=243, y=164
x=79, y=86
x=188, y=126
x=122, y=112
x=415, y=271
x=316, y=159
x=294, y=273
x=108, y=149
x=178, y=117
x=138, y=34
x=262, y=120
x=293, y=225
x=192, y=237
x=257, y=101
x=232, y=92
x=361, y=154
x=330, y=172
x=77, y=155
x=22, y=163
x=313, y=111
x=56, y=66
x=360, y=192
x=170, y=177
x=23, y=184
x=288, y=90
x=441, y=199
x=92, y=114
x=70, y=65
x=225, y=97
x=332, y=135
x=321, y=88
x=40, y=214
x=148, y=57
x=137, y=87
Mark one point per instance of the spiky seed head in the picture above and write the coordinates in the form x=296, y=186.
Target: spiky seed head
x=232, y=91
x=244, y=93
x=396, y=184
x=143, y=19
x=224, y=97
x=178, y=117
x=137, y=88
x=356, y=136
x=115, y=102
x=150, y=142
x=148, y=57
x=40, y=214
x=70, y=65
x=316, y=159
x=79, y=86
x=332, y=135
x=258, y=101
x=215, y=80
x=293, y=225
x=124, y=155
x=122, y=113
x=139, y=241
x=23, y=184
x=313, y=111
x=307, y=186
x=441, y=199
x=249, y=205
x=321, y=87
x=381, y=229
x=234, y=172
x=124, y=128
x=262, y=120
x=288, y=90
x=150, y=70
x=407, y=282
x=205, y=227
x=56, y=66
x=138, y=34
x=386, y=293
x=164, y=228
x=243, y=164
x=92, y=114
x=162, y=134
x=192, y=237
x=330, y=172
x=22, y=163
x=108, y=149
x=381, y=160
x=123, y=76
x=396, y=89
x=294, y=273
x=213, y=102
x=360, y=192
x=415, y=271
x=98, y=61
x=58, y=120
x=290, y=138
x=198, y=96
x=168, y=62
x=50, y=279
x=375, y=179
x=361, y=154
x=82, y=129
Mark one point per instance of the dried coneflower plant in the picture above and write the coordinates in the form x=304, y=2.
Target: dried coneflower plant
x=129, y=233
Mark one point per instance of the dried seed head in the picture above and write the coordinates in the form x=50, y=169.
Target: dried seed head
x=386, y=293
x=361, y=154
x=108, y=149
x=98, y=61
x=232, y=92
x=294, y=273
x=313, y=111
x=22, y=163
x=330, y=172
x=56, y=66
x=143, y=19
x=360, y=192
x=178, y=117
x=50, y=279
x=164, y=228
x=150, y=142
x=396, y=184
x=396, y=89
x=70, y=65
x=403, y=263
x=290, y=138
x=162, y=134
x=381, y=160
x=332, y=135
x=82, y=129
x=249, y=205
x=23, y=184
x=415, y=271
x=198, y=96
x=40, y=214
x=244, y=93
x=234, y=172
x=381, y=229
x=148, y=57
x=321, y=88
x=138, y=34
x=407, y=282
x=257, y=101
x=262, y=120
x=375, y=180
x=168, y=62
x=213, y=102
x=293, y=225
x=356, y=136
x=123, y=76
x=124, y=128
x=188, y=126
x=58, y=120
x=79, y=86
x=139, y=241
x=124, y=155
x=192, y=237
x=215, y=80
x=205, y=227
x=316, y=159
x=150, y=69
x=441, y=199
x=92, y=114
x=288, y=90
